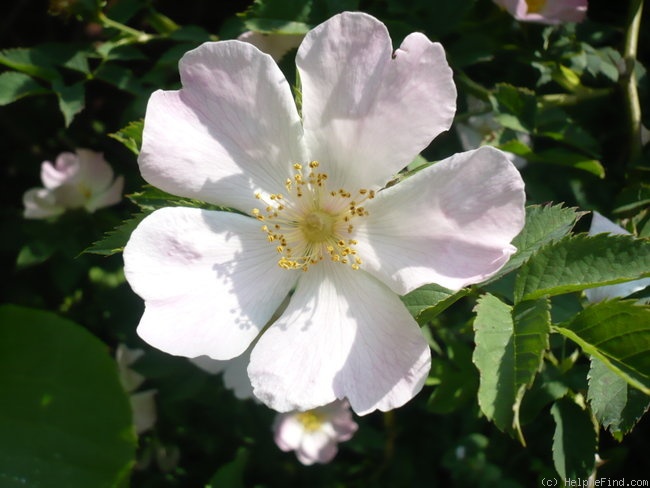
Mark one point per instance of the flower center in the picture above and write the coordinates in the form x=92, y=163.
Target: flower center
x=310, y=420
x=312, y=222
x=318, y=226
x=535, y=6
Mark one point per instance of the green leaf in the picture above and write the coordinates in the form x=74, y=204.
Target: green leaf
x=29, y=61
x=71, y=99
x=35, y=252
x=544, y=224
x=130, y=136
x=555, y=156
x=453, y=376
x=14, y=86
x=516, y=108
x=64, y=418
x=428, y=301
x=152, y=198
x=114, y=51
x=580, y=262
x=574, y=441
x=114, y=241
x=616, y=405
x=120, y=77
x=617, y=332
x=231, y=475
x=508, y=354
x=42, y=61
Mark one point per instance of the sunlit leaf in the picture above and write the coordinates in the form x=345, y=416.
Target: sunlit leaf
x=428, y=301
x=130, y=136
x=579, y=262
x=616, y=405
x=115, y=240
x=544, y=224
x=509, y=347
x=617, y=332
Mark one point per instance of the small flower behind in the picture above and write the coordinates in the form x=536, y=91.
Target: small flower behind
x=76, y=180
x=546, y=11
x=314, y=434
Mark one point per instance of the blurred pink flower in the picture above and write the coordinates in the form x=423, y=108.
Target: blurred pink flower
x=276, y=45
x=315, y=220
x=546, y=11
x=76, y=180
x=315, y=434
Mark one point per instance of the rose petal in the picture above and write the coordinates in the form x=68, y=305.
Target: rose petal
x=65, y=169
x=344, y=334
x=450, y=224
x=288, y=431
x=366, y=111
x=40, y=203
x=94, y=171
x=107, y=197
x=210, y=281
x=316, y=447
x=231, y=130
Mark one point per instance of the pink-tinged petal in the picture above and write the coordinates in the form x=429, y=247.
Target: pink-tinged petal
x=340, y=418
x=40, y=203
x=210, y=281
x=110, y=196
x=276, y=45
x=599, y=225
x=95, y=173
x=344, y=334
x=450, y=224
x=367, y=111
x=316, y=447
x=231, y=130
x=288, y=431
x=64, y=170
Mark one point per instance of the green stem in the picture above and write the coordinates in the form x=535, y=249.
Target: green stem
x=628, y=80
x=565, y=99
x=137, y=35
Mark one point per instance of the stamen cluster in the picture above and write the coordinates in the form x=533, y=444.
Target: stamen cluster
x=312, y=222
